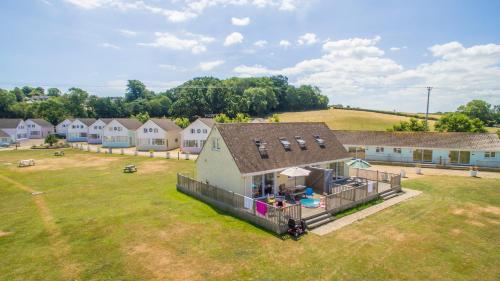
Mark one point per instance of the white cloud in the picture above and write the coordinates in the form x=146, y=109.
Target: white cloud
x=47, y=2
x=240, y=21
x=128, y=33
x=396, y=49
x=307, y=39
x=193, y=42
x=188, y=9
x=260, y=43
x=109, y=45
x=233, y=38
x=285, y=43
x=356, y=72
x=209, y=65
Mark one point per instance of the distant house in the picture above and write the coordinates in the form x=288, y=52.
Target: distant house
x=423, y=147
x=95, y=133
x=159, y=135
x=39, y=128
x=194, y=136
x=247, y=158
x=78, y=129
x=5, y=139
x=62, y=128
x=120, y=132
x=15, y=128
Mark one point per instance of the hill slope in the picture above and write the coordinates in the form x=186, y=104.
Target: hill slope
x=340, y=119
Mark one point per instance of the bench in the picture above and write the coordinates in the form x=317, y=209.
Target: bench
x=59, y=153
x=130, y=169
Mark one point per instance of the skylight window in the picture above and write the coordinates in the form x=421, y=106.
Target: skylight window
x=262, y=147
x=320, y=141
x=301, y=142
x=285, y=143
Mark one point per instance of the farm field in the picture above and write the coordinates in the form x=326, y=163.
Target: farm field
x=93, y=222
x=341, y=119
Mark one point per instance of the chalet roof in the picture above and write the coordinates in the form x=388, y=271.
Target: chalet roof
x=42, y=122
x=210, y=122
x=7, y=123
x=240, y=139
x=447, y=140
x=86, y=121
x=106, y=120
x=166, y=124
x=129, y=123
x=4, y=134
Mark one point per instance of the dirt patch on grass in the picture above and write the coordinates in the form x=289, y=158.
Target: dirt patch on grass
x=61, y=163
x=477, y=215
x=5, y=233
x=154, y=167
x=456, y=231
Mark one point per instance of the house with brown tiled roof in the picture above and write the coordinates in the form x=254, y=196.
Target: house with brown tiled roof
x=158, y=134
x=120, y=132
x=15, y=128
x=247, y=158
x=95, y=132
x=194, y=136
x=78, y=129
x=423, y=147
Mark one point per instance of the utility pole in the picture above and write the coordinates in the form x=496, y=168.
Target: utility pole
x=427, y=111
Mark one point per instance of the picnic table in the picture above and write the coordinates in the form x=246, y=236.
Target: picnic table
x=130, y=169
x=59, y=153
x=26, y=163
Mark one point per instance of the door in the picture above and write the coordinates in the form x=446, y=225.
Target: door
x=422, y=155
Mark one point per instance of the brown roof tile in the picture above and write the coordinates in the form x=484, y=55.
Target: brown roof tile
x=166, y=124
x=86, y=121
x=42, y=122
x=239, y=138
x=210, y=122
x=129, y=123
x=448, y=140
x=7, y=123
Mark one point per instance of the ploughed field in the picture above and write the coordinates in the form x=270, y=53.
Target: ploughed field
x=93, y=222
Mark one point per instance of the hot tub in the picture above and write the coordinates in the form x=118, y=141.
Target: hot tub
x=310, y=202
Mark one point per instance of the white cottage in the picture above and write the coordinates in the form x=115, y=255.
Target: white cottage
x=78, y=129
x=15, y=128
x=95, y=133
x=158, y=134
x=247, y=158
x=62, y=128
x=39, y=128
x=120, y=132
x=194, y=136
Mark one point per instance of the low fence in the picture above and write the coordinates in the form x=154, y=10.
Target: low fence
x=133, y=152
x=269, y=217
x=346, y=197
x=394, y=180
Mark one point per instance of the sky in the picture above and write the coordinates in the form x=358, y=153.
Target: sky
x=372, y=54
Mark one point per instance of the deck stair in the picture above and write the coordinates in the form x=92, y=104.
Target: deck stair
x=318, y=220
x=386, y=195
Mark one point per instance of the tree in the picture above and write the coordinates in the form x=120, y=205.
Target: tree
x=413, y=125
x=478, y=109
x=75, y=102
x=52, y=110
x=51, y=139
x=241, y=118
x=222, y=118
x=459, y=122
x=181, y=122
x=142, y=117
x=7, y=100
x=27, y=90
x=53, y=92
x=19, y=94
x=136, y=90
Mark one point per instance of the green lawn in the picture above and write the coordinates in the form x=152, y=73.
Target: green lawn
x=95, y=223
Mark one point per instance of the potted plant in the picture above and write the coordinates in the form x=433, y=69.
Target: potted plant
x=151, y=153
x=473, y=171
x=418, y=168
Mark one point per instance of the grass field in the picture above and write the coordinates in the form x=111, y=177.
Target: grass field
x=341, y=119
x=95, y=223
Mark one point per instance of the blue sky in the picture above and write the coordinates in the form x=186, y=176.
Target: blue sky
x=374, y=54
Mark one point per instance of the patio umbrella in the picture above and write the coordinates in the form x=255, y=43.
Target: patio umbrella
x=295, y=172
x=358, y=164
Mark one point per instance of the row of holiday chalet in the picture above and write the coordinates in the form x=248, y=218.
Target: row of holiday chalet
x=18, y=130
x=156, y=134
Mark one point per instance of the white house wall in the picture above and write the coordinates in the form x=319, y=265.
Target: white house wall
x=77, y=131
x=116, y=135
x=218, y=168
x=95, y=132
x=199, y=136
x=62, y=128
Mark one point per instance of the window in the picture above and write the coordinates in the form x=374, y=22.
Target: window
x=192, y=131
x=156, y=130
x=420, y=155
x=215, y=144
x=190, y=143
x=158, y=142
x=150, y=130
x=198, y=131
x=459, y=157
x=489, y=154
x=379, y=149
x=95, y=127
x=145, y=130
x=205, y=131
x=397, y=150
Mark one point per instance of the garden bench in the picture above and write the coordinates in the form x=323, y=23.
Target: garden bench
x=59, y=153
x=26, y=163
x=130, y=169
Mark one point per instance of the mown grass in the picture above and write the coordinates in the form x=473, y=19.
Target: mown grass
x=138, y=227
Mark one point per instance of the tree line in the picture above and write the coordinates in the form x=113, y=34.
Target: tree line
x=196, y=97
x=471, y=117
